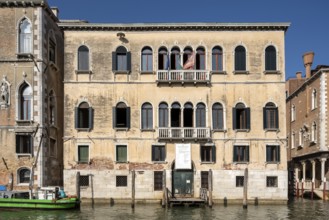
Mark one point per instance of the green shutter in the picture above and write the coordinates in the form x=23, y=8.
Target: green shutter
x=128, y=117
x=114, y=117
x=76, y=117
x=264, y=118
x=114, y=61
x=128, y=61
x=213, y=153
x=248, y=118
x=90, y=117
x=234, y=118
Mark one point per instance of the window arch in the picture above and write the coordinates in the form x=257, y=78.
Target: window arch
x=200, y=115
x=241, y=117
x=240, y=58
x=83, y=58
x=270, y=58
x=147, y=116
x=188, y=115
x=25, y=36
x=270, y=116
x=175, y=114
x=23, y=175
x=217, y=116
x=83, y=116
x=121, y=116
x=293, y=113
x=163, y=115
x=163, y=59
x=25, y=102
x=200, y=59
x=217, y=58
x=147, y=59
x=52, y=108
x=121, y=60
x=314, y=133
x=175, y=59
x=314, y=99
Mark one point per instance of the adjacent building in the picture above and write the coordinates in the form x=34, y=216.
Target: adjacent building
x=31, y=101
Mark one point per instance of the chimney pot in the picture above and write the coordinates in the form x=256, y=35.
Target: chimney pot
x=299, y=75
x=308, y=61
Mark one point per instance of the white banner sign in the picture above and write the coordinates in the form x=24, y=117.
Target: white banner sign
x=183, y=156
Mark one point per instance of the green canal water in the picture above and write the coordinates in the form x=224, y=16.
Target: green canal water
x=298, y=209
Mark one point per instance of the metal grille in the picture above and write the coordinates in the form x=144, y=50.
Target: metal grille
x=239, y=181
x=121, y=181
x=272, y=181
x=84, y=181
x=204, y=179
x=158, y=180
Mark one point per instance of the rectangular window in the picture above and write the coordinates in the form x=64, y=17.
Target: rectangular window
x=272, y=153
x=158, y=153
x=239, y=181
x=271, y=181
x=204, y=179
x=241, y=153
x=158, y=175
x=24, y=144
x=84, y=181
x=52, y=51
x=121, y=153
x=207, y=153
x=121, y=181
x=83, y=154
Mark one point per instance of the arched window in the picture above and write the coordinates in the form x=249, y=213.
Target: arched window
x=121, y=60
x=163, y=61
x=25, y=36
x=241, y=117
x=314, y=133
x=270, y=58
x=83, y=116
x=163, y=115
x=188, y=115
x=83, y=58
x=270, y=116
x=25, y=102
x=240, y=58
x=121, y=116
x=24, y=175
x=175, y=115
x=293, y=113
x=293, y=140
x=301, y=138
x=200, y=120
x=147, y=59
x=217, y=116
x=217, y=59
x=175, y=59
x=314, y=99
x=188, y=60
x=52, y=47
x=200, y=59
x=52, y=108
x=147, y=116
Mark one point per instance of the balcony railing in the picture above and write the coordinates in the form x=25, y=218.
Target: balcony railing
x=183, y=76
x=184, y=133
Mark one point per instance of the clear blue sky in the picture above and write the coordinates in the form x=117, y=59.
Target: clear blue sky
x=309, y=29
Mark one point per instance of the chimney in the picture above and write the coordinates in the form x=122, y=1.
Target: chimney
x=308, y=61
x=55, y=11
x=299, y=75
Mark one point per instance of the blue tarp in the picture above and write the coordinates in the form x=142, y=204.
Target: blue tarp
x=3, y=188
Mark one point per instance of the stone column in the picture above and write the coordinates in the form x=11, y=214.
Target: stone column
x=297, y=174
x=323, y=161
x=304, y=171
x=313, y=170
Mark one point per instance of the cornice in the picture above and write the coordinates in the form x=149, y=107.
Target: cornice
x=27, y=3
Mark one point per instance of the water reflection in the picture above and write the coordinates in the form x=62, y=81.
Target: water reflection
x=299, y=209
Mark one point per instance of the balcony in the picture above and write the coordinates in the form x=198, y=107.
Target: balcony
x=184, y=133
x=183, y=76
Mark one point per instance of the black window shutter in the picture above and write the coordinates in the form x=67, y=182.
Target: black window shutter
x=76, y=117
x=268, y=153
x=128, y=61
x=128, y=117
x=234, y=118
x=278, y=153
x=201, y=153
x=153, y=153
x=114, y=117
x=213, y=153
x=114, y=61
x=248, y=117
x=277, y=117
x=264, y=118
x=91, y=118
x=17, y=144
x=235, y=153
x=247, y=152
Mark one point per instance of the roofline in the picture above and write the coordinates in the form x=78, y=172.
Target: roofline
x=83, y=25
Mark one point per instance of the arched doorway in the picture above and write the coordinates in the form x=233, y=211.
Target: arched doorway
x=182, y=181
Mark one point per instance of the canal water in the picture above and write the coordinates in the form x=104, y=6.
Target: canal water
x=298, y=209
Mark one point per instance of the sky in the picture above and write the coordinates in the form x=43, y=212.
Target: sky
x=308, y=31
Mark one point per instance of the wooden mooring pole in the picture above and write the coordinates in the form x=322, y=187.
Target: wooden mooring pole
x=164, y=189
x=245, y=189
x=133, y=189
x=77, y=184
x=210, y=188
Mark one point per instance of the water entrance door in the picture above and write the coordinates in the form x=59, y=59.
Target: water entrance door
x=183, y=183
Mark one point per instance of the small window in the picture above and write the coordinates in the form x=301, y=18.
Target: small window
x=83, y=58
x=272, y=153
x=147, y=116
x=271, y=117
x=208, y=153
x=217, y=117
x=84, y=181
x=121, y=60
x=52, y=50
x=121, y=153
x=293, y=113
x=314, y=99
x=158, y=175
x=24, y=175
x=52, y=108
x=121, y=181
x=121, y=116
x=147, y=59
x=241, y=153
x=270, y=58
x=25, y=102
x=293, y=140
x=314, y=133
x=271, y=181
x=239, y=181
x=204, y=179
x=83, y=154
x=301, y=138
x=84, y=116
x=25, y=36
x=241, y=117
x=217, y=59
x=24, y=144
x=240, y=58
x=158, y=153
